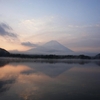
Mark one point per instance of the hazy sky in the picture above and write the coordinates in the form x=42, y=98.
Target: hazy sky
x=27, y=23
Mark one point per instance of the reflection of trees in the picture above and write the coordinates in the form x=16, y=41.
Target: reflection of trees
x=3, y=63
x=50, y=56
x=97, y=62
x=5, y=85
x=68, y=61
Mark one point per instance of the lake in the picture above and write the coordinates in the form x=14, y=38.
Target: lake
x=49, y=80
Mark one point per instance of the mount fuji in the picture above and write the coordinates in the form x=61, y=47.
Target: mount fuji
x=51, y=47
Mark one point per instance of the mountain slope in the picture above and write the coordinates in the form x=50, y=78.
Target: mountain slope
x=97, y=56
x=52, y=47
x=4, y=52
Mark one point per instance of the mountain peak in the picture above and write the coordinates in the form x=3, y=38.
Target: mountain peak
x=51, y=47
x=52, y=43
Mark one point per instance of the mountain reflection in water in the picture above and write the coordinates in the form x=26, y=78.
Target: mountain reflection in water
x=49, y=80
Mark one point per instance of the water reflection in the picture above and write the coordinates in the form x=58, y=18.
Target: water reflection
x=49, y=81
x=3, y=63
x=5, y=85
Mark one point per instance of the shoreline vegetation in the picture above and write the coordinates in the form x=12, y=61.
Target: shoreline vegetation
x=48, y=56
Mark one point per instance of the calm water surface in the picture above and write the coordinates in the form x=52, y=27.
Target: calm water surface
x=49, y=80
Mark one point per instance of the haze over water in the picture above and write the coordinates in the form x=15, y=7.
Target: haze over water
x=50, y=80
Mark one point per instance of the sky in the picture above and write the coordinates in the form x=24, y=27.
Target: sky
x=25, y=24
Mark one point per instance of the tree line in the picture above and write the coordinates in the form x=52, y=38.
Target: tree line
x=47, y=56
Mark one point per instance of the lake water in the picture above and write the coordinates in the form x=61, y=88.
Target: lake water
x=50, y=80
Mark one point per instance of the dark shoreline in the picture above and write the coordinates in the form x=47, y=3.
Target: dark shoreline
x=49, y=56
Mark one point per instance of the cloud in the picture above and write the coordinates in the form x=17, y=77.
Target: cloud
x=6, y=26
x=5, y=30
x=36, y=26
x=44, y=29
x=29, y=44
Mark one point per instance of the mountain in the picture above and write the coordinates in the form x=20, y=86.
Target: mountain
x=3, y=52
x=51, y=47
x=97, y=56
x=15, y=51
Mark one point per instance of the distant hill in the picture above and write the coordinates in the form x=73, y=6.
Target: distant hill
x=51, y=47
x=3, y=52
x=97, y=56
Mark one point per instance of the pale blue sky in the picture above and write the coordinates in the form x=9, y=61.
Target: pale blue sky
x=74, y=23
